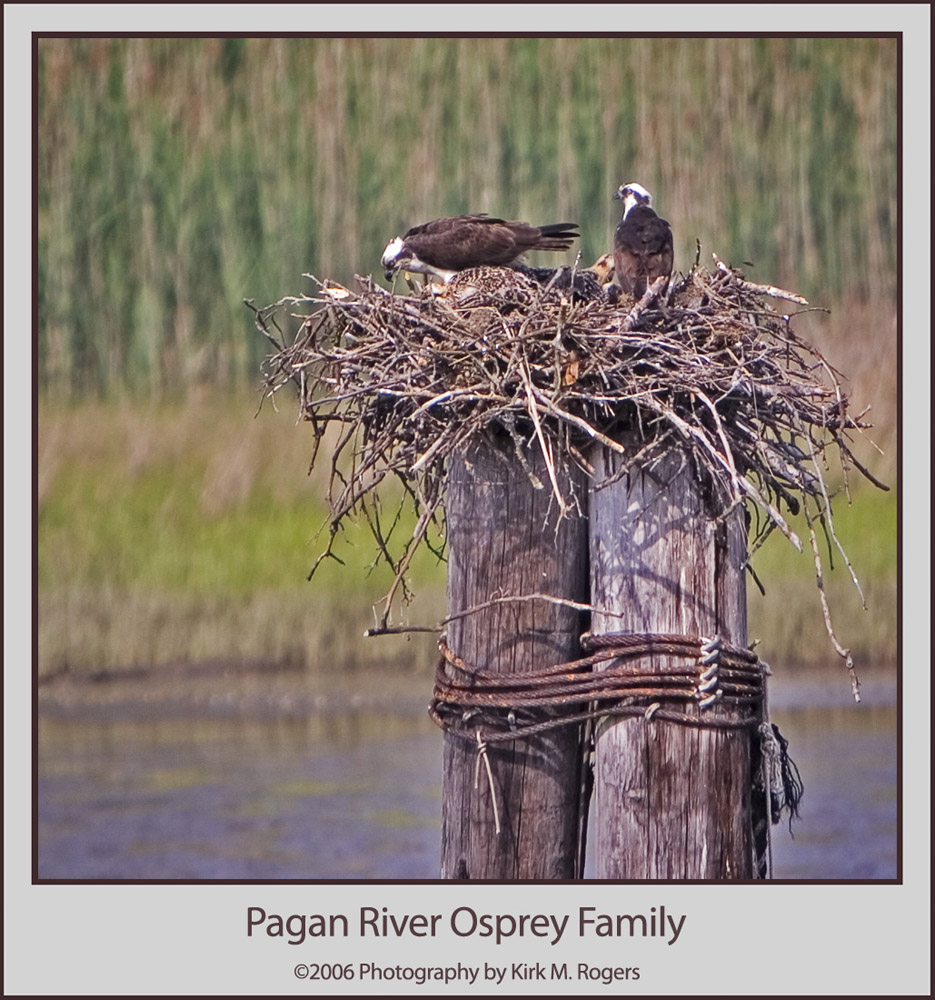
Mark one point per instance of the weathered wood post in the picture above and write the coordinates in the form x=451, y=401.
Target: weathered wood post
x=672, y=799
x=439, y=391
x=505, y=539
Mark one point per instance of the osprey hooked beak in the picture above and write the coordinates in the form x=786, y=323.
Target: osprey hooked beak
x=390, y=259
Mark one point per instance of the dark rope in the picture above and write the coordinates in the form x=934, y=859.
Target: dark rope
x=716, y=686
x=502, y=704
x=792, y=786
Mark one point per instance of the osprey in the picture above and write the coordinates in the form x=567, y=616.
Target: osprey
x=642, y=241
x=500, y=287
x=445, y=246
x=584, y=284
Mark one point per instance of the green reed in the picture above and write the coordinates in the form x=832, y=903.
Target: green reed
x=179, y=176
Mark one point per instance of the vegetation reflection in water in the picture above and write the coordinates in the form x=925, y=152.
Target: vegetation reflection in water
x=357, y=794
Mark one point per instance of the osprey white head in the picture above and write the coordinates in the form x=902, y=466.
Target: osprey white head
x=633, y=194
x=399, y=257
x=391, y=254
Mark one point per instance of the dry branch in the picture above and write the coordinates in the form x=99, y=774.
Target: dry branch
x=411, y=379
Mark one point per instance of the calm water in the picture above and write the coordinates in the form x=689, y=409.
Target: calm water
x=310, y=791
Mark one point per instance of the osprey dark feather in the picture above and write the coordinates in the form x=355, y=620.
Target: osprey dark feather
x=445, y=246
x=642, y=242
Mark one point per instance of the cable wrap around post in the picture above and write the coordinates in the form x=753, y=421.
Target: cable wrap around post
x=487, y=708
x=467, y=698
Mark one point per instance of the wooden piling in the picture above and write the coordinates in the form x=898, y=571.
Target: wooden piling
x=505, y=539
x=672, y=800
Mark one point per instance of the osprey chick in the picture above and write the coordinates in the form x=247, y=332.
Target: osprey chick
x=642, y=241
x=584, y=284
x=603, y=268
x=443, y=247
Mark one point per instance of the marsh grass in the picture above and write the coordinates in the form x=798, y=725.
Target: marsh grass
x=151, y=550
x=788, y=618
x=150, y=553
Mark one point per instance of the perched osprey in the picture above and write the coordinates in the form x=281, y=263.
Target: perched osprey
x=445, y=246
x=642, y=241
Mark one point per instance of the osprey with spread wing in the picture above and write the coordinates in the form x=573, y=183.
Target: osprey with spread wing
x=446, y=246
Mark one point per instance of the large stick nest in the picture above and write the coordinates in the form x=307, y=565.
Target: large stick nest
x=557, y=362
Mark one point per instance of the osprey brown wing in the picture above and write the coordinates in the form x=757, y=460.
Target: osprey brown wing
x=556, y=236
x=642, y=250
x=449, y=224
x=464, y=241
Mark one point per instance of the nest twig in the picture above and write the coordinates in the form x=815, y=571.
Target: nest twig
x=409, y=379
